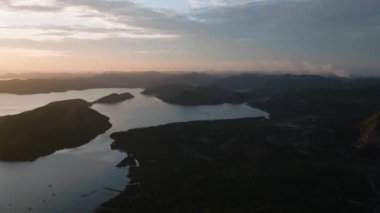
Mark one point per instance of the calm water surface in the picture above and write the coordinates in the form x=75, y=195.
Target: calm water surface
x=74, y=180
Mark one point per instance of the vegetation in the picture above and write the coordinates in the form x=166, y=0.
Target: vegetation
x=114, y=98
x=310, y=157
x=193, y=96
x=42, y=131
x=358, y=102
x=307, y=93
x=319, y=152
x=245, y=165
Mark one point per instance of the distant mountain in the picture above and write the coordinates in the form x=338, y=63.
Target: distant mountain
x=285, y=93
x=359, y=101
x=206, y=96
x=256, y=84
x=192, y=79
x=105, y=80
x=190, y=96
x=129, y=79
x=42, y=75
x=42, y=131
x=270, y=84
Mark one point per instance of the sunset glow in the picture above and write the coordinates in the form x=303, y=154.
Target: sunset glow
x=223, y=35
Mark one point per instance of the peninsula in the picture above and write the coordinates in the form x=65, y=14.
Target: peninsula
x=42, y=131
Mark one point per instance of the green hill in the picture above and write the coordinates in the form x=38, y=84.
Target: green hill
x=42, y=131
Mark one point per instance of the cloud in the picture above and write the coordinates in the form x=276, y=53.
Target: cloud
x=216, y=3
x=323, y=69
x=292, y=31
x=276, y=66
x=81, y=20
x=27, y=52
x=303, y=29
x=306, y=22
x=32, y=5
x=60, y=32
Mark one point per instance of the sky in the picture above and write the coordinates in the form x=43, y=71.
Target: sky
x=302, y=36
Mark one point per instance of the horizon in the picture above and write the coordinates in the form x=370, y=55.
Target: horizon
x=189, y=106
x=73, y=74
x=190, y=35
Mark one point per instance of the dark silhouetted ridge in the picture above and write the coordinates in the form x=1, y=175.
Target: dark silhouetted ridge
x=42, y=131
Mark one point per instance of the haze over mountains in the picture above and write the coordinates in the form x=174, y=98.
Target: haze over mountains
x=264, y=106
x=268, y=82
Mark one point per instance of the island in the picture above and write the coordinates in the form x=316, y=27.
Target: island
x=42, y=131
x=114, y=98
x=167, y=90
